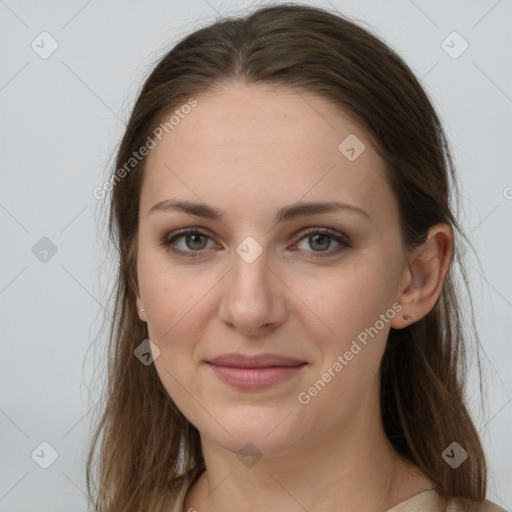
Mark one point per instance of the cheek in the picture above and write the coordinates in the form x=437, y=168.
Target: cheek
x=353, y=309
x=172, y=299
x=349, y=357
x=172, y=295
x=347, y=299
x=175, y=323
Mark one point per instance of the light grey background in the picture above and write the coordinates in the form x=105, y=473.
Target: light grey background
x=61, y=119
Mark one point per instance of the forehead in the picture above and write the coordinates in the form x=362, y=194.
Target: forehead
x=263, y=145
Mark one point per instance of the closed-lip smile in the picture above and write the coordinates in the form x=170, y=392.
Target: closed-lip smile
x=254, y=373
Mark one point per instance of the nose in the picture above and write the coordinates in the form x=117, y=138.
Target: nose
x=254, y=297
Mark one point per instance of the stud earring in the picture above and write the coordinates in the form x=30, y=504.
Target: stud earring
x=141, y=310
x=407, y=317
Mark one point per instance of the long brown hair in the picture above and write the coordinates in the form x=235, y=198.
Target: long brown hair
x=146, y=442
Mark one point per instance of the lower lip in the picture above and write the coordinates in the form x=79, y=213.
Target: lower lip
x=251, y=379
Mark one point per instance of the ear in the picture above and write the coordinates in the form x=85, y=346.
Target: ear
x=424, y=276
x=139, y=304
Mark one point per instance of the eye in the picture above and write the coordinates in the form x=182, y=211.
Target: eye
x=195, y=241
x=193, y=238
x=321, y=239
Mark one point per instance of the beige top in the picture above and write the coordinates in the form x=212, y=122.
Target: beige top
x=426, y=501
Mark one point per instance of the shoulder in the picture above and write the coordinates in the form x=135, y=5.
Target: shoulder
x=461, y=505
x=430, y=501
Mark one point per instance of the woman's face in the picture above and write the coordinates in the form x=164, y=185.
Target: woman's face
x=256, y=281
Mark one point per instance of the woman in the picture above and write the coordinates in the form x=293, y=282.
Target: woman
x=287, y=333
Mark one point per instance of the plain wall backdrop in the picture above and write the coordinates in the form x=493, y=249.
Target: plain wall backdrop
x=69, y=75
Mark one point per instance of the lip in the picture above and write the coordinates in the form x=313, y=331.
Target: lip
x=252, y=373
x=256, y=361
x=254, y=379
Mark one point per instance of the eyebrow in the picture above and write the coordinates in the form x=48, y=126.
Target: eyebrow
x=285, y=214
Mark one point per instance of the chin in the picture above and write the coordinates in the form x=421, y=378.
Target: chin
x=266, y=435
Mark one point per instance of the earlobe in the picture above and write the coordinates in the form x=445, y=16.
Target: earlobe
x=141, y=310
x=428, y=269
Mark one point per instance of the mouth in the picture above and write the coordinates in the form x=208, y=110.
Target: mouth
x=253, y=374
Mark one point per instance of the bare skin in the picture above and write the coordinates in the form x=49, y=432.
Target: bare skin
x=249, y=151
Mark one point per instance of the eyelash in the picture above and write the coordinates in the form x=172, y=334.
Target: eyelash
x=338, y=237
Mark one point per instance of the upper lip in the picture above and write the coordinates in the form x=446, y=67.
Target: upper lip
x=256, y=361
